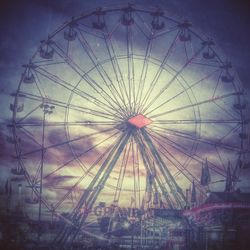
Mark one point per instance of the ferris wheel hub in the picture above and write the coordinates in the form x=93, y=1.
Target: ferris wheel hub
x=139, y=121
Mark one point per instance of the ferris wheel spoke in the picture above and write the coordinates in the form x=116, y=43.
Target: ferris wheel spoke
x=82, y=27
x=38, y=84
x=233, y=129
x=168, y=139
x=100, y=69
x=100, y=158
x=165, y=138
x=75, y=90
x=30, y=136
x=171, y=81
x=68, y=49
x=187, y=174
x=197, y=121
x=184, y=133
x=120, y=83
x=110, y=162
x=85, y=198
x=149, y=166
x=67, y=141
x=220, y=158
x=165, y=174
x=211, y=100
x=128, y=69
x=173, y=143
x=27, y=115
x=166, y=32
x=94, y=113
x=144, y=72
x=183, y=91
x=80, y=155
x=103, y=74
x=36, y=179
x=147, y=27
x=36, y=61
x=159, y=71
x=198, y=159
x=116, y=26
x=174, y=187
x=69, y=106
x=217, y=143
x=75, y=217
x=62, y=124
x=122, y=172
x=114, y=61
x=225, y=110
x=186, y=52
x=136, y=175
x=130, y=66
x=46, y=63
x=131, y=50
x=88, y=198
x=85, y=76
x=176, y=163
x=206, y=64
x=217, y=83
x=115, y=66
x=140, y=29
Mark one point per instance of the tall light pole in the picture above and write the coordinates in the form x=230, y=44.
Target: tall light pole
x=47, y=109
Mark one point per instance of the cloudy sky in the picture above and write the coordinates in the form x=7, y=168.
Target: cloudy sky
x=23, y=24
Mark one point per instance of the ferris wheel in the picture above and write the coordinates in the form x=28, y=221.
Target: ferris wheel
x=125, y=107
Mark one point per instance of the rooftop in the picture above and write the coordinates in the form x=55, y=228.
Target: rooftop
x=222, y=197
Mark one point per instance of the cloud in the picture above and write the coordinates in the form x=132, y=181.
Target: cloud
x=57, y=180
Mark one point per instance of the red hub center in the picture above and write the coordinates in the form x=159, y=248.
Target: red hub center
x=139, y=121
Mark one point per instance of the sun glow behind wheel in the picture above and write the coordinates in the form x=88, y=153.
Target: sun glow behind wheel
x=99, y=70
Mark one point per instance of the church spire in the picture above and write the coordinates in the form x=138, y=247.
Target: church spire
x=205, y=175
x=193, y=193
